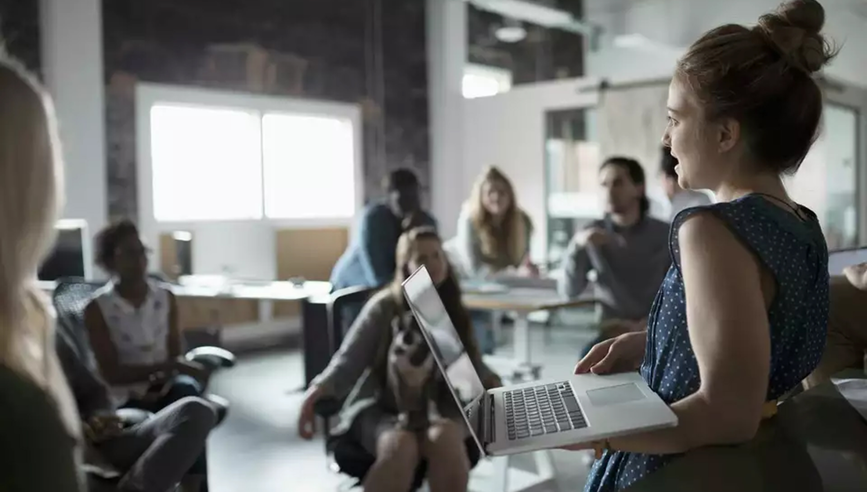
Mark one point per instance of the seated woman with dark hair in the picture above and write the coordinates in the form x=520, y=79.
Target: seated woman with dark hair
x=133, y=328
x=359, y=369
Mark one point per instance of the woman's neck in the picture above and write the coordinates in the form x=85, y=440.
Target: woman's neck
x=131, y=289
x=766, y=184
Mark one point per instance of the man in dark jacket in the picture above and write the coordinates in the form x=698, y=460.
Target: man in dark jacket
x=369, y=260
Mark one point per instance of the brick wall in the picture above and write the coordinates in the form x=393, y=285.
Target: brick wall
x=370, y=52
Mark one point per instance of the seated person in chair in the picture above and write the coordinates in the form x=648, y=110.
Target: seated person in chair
x=627, y=249
x=493, y=237
x=369, y=259
x=846, y=344
x=133, y=328
x=369, y=416
x=153, y=455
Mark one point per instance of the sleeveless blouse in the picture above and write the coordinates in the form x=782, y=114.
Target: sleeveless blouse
x=140, y=335
x=795, y=254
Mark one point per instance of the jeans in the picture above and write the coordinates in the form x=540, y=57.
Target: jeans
x=158, y=453
x=182, y=386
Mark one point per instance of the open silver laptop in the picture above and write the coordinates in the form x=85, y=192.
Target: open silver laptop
x=536, y=415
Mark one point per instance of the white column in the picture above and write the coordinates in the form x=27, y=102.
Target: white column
x=71, y=33
x=447, y=54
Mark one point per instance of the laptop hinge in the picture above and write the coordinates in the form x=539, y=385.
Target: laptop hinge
x=486, y=419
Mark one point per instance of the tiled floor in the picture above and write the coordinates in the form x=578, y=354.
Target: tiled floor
x=257, y=448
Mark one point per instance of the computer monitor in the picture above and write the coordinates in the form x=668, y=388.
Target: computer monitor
x=71, y=255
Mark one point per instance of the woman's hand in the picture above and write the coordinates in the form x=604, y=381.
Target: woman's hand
x=307, y=417
x=620, y=354
x=102, y=427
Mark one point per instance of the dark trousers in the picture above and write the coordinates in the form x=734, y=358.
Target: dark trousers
x=157, y=454
x=182, y=387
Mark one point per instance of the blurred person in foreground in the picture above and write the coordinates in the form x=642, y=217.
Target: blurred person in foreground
x=846, y=345
x=39, y=426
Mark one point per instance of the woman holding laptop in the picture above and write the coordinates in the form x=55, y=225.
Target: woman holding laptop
x=742, y=314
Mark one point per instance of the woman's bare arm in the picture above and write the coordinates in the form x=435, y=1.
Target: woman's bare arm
x=729, y=333
x=110, y=367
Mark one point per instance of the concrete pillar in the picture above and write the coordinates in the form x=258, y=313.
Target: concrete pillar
x=72, y=64
x=447, y=55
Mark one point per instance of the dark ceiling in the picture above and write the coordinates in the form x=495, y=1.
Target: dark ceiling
x=544, y=54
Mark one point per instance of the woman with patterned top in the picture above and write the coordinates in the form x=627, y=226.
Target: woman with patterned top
x=742, y=314
x=133, y=328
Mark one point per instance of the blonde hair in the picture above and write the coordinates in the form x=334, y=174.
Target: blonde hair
x=512, y=235
x=31, y=178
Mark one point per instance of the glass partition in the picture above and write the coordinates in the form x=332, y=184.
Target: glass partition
x=827, y=180
x=571, y=165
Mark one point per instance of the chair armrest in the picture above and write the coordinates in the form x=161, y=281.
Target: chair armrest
x=327, y=406
x=211, y=357
x=132, y=416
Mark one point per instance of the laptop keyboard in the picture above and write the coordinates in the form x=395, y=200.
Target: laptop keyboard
x=541, y=410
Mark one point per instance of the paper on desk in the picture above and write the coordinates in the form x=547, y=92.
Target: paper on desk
x=855, y=392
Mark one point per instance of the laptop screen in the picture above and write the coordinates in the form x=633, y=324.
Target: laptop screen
x=446, y=346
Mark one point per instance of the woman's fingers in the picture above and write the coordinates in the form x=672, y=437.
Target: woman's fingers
x=596, y=354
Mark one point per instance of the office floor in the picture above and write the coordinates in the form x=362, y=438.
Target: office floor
x=257, y=448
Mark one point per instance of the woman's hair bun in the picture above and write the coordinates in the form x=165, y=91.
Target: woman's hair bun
x=794, y=30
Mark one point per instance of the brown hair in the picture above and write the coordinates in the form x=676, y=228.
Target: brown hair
x=512, y=237
x=762, y=77
x=449, y=291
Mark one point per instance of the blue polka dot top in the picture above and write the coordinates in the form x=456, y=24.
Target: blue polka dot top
x=795, y=253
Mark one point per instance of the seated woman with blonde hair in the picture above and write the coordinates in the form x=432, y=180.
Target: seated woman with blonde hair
x=493, y=232
x=359, y=370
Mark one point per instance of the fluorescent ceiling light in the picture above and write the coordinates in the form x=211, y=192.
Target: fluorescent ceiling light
x=636, y=41
x=511, y=31
x=526, y=11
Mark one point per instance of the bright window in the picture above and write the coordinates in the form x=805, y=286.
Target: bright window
x=208, y=164
x=309, y=166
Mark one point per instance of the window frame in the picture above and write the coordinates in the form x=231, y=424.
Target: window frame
x=149, y=94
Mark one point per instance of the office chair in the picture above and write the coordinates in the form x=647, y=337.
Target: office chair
x=71, y=297
x=346, y=455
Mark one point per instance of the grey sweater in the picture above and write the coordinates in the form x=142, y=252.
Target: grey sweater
x=350, y=373
x=628, y=274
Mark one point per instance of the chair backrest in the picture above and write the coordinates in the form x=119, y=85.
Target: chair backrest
x=343, y=307
x=70, y=298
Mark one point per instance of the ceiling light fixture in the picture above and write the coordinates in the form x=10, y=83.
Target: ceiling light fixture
x=511, y=31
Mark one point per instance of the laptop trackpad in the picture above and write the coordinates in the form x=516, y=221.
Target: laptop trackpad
x=614, y=395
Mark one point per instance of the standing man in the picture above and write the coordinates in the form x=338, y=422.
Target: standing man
x=369, y=260
x=627, y=249
x=678, y=198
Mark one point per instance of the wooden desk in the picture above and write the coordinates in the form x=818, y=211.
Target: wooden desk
x=523, y=301
x=204, y=304
x=816, y=443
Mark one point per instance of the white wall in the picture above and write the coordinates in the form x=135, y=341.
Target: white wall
x=508, y=130
x=447, y=55
x=675, y=24
x=71, y=35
